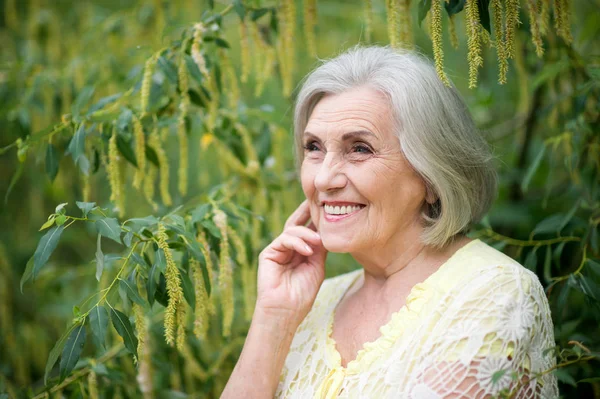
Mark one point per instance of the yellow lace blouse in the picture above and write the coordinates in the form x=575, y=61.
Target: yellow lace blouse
x=479, y=324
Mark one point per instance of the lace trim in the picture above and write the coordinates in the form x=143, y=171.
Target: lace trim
x=417, y=299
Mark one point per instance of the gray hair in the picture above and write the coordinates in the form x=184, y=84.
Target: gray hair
x=436, y=132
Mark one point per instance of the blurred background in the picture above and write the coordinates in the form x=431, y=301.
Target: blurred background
x=59, y=57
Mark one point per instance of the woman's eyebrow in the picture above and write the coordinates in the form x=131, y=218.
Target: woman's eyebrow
x=346, y=136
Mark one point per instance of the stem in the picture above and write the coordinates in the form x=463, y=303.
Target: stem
x=525, y=243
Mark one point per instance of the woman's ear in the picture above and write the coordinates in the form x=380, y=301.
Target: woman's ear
x=430, y=196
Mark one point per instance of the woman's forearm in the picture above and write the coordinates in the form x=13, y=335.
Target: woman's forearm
x=256, y=374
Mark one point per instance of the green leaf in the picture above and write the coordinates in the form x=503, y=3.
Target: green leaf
x=137, y=224
x=211, y=227
x=99, y=324
x=14, y=181
x=27, y=273
x=193, y=69
x=83, y=97
x=594, y=266
x=60, y=220
x=45, y=248
x=48, y=223
x=85, y=207
x=151, y=284
x=72, y=351
x=188, y=289
x=532, y=169
x=60, y=208
x=221, y=42
x=239, y=8
x=256, y=14
x=77, y=144
x=126, y=150
x=160, y=260
x=569, y=215
x=99, y=258
x=531, y=260
x=590, y=380
x=200, y=212
x=454, y=6
x=167, y=67
x=123, y=327
x=103, y=102
x=127, y=238
x=424, y=6
x=132, y=292
x=161, y=295
x=110, y=228
x=552, y=224
x=56, y=351
x=52, y=161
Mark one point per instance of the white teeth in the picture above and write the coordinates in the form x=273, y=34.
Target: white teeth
x=344, y=210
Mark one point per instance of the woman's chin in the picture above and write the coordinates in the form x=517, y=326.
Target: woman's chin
x=337, y=244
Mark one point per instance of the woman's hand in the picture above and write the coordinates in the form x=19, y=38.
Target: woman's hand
x=291, y=269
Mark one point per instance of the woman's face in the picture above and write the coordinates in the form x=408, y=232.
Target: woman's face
x=363, y=194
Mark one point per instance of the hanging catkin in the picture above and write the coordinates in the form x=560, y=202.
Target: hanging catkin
x=147, y=84
x=405, y=22
x=368, y=21
x=310, y=21
x=225, y=273
x=244, y=51
x=264, y=60
x=201, y=316
x=140, y=153
x=286, y=44
x=543, y=9
x=392, y=21
x=144, y=371
x=534, y=25
x=149, y=181
x=173, y=286
x=562, y=19
x=205, y=248
x=436, y=39
x=163, y=162
x=114, y=175
x=232, y=87
x=180, y=339
x=184, y=106
x=92, y=380
x=250, y=151
x=512, y=22
x=499, y=32
x=473, y=40
x=139, y=317
x=452, y=32
x=196, y=47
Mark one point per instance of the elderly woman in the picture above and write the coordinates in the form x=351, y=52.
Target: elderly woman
x=394, y=172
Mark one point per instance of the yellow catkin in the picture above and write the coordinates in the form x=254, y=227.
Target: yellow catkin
x=92, y=381
x=173, y=286
x=144, y=371
x=184, y=106
x=114, y=175
x=264, y=59
x=205, y=248
x=473, y=28
x=147, y=84
x=140, y=153
x=499, y=29
x=251, y=154
x=163, y=161
x=368, y=21
x=452, y=32
x=240, y=248
x=149, y=188
x=201, y=315
x=512, y=23
x=232, y=87
x=310, y=21
x=404, y=20
x=196, y=50
x=536, y=36
x=11, y=18
x=543, y=9
x=436, y=39
x=244, y=51
x=390, y=6
x=87, y=186
x=562, y=19
x=286, y=44
x=180, y=340
x=140, y=323
x=225, y=273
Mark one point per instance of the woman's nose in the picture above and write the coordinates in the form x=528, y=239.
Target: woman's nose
x=331, y=175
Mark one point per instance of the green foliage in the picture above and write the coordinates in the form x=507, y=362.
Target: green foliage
x=84, y=79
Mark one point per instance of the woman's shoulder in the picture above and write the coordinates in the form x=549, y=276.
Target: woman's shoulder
x=481, y=267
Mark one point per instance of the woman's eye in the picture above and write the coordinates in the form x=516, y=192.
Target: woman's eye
x=311, y=146
x=362, y=149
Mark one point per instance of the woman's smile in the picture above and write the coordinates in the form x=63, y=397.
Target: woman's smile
x=337, y=211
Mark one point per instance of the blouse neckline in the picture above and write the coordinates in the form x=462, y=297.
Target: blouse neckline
x=418, y=296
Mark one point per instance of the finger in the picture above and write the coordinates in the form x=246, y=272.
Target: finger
x=308, y=235
x=300, y=216
x=287, y=242
x=312, y=227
